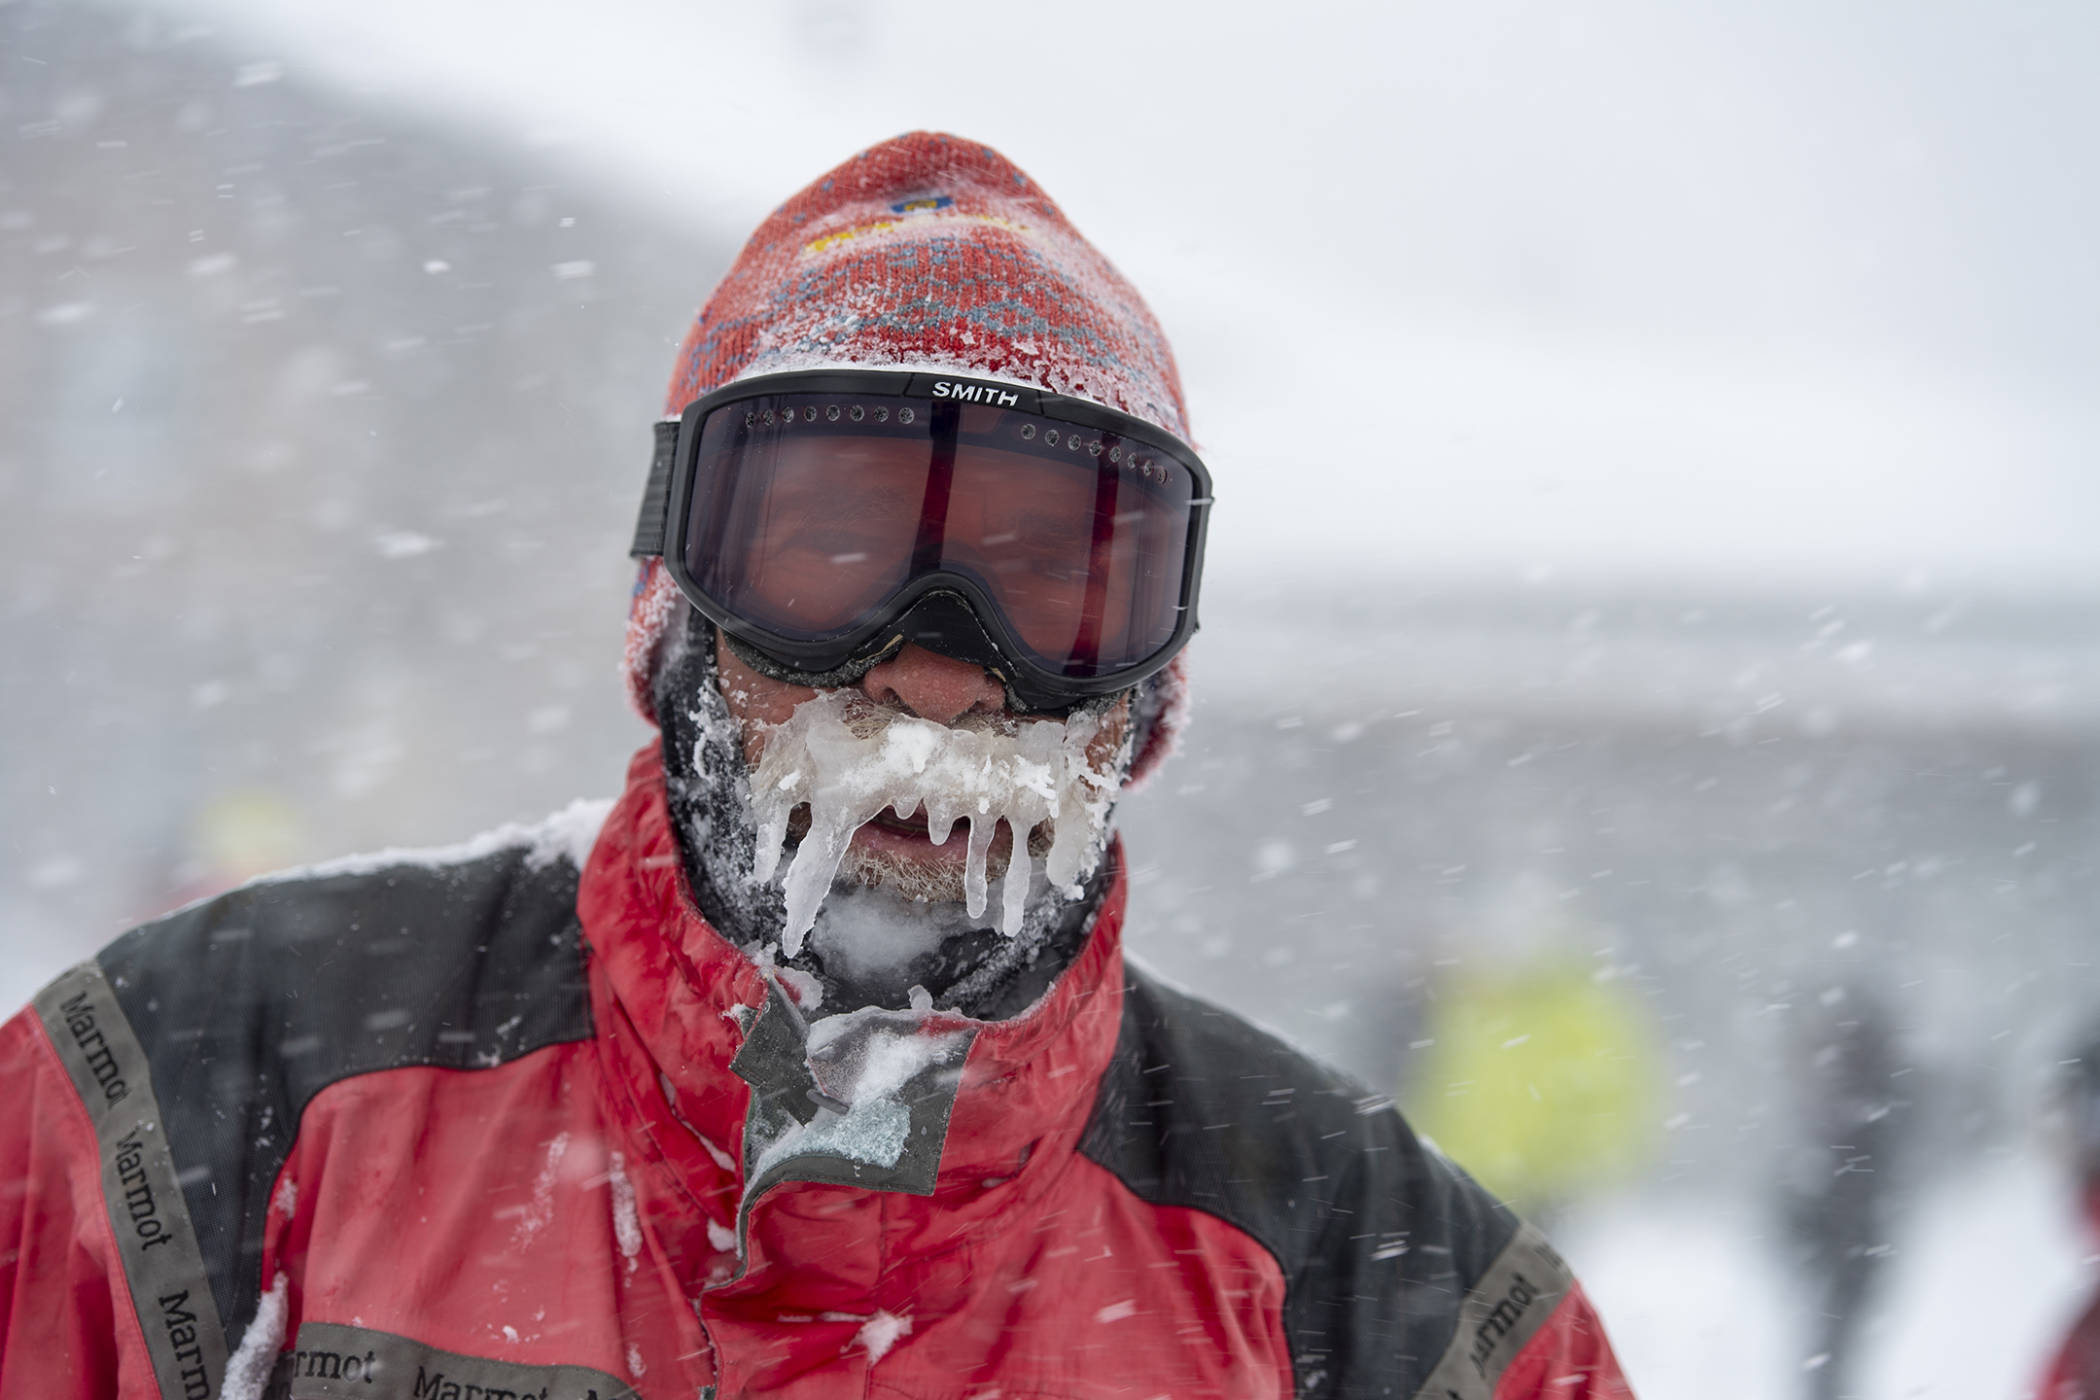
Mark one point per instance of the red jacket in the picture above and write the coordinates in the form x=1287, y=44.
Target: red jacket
x=481, y=1128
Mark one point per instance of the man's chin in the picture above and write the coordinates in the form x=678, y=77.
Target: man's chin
x=906, y=865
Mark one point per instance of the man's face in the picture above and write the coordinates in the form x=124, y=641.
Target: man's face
x=891, y=852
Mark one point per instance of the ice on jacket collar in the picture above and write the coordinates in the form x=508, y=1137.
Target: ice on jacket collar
x=805, y=990
x=848, y=759
x=864, y=1064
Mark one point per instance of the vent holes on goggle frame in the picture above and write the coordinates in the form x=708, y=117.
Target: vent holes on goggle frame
x=858, y=413
x=1069, y=439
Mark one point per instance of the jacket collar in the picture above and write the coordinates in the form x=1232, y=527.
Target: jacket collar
x=676, y=1004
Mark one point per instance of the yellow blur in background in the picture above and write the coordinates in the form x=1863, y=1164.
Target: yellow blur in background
x=1543, y=1081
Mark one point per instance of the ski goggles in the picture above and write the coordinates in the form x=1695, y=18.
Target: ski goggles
x=822, y=519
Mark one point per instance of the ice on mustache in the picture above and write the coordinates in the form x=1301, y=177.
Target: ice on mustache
x=847, y=759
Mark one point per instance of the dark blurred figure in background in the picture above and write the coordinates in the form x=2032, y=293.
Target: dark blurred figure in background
x=2074, y=1373
x=1841, y=1195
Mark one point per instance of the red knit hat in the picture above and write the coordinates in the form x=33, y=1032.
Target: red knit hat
x=932, y=252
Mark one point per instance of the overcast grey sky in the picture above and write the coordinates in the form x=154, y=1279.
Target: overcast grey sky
x=1757, y=293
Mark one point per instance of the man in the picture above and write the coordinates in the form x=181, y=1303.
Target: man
x=1840, y=1201
x=614, y=1107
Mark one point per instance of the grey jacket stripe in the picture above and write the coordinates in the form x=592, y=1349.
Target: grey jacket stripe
x=169, y=1287
x=333, y=1362
x=1499, y=1315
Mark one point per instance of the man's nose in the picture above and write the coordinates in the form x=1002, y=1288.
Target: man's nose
x=932, y=686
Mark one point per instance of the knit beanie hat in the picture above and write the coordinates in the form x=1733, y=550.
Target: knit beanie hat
x=930, y=252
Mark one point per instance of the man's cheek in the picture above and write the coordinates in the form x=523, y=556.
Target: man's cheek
x=1106, y=747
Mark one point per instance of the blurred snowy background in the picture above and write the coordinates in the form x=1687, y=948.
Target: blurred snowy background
x=1653, y=624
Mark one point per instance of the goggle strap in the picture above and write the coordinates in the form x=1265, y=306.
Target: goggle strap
x=649, y=526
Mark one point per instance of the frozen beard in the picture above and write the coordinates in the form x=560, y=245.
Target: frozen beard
x=844, y=759
x=850, y=924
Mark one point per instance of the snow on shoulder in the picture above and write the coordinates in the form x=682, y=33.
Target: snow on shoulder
x=566, y=835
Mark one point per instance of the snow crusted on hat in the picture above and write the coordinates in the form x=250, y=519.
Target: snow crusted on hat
x=931, y=252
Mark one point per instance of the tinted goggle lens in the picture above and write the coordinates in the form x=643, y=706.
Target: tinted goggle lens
x=809, y=512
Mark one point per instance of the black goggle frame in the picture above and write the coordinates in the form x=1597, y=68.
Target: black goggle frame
x=946, y=611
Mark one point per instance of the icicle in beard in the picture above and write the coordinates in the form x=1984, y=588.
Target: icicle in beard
x=869, y=947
